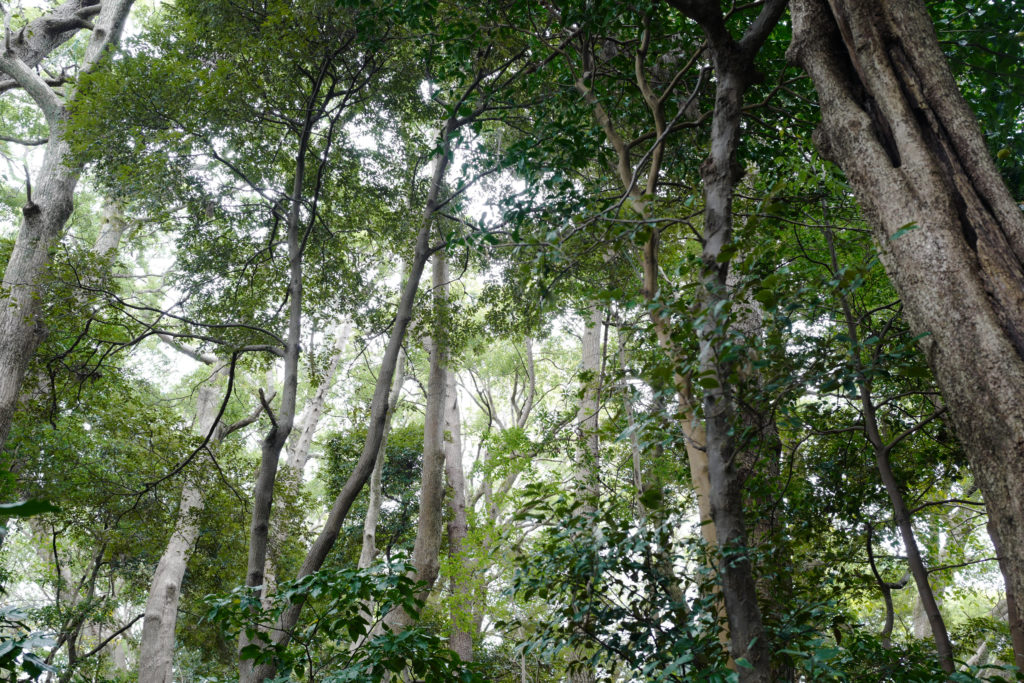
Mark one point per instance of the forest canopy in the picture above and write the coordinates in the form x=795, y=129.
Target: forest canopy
x=366, y=340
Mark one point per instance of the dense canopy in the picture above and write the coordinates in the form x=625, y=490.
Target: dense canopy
x=657, y=340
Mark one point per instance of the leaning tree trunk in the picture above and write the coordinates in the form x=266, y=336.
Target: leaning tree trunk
x=949, y=233
x=368, y=551
x=318, y=551
x=299, y=450
x=49, y=199
x=427, y=547
x=156, y=650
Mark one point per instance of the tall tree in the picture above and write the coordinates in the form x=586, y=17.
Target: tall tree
x=49, y=203
x=948, y=231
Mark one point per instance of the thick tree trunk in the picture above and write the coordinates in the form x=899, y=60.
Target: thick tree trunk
x=461, y=637
x=50, y=202
x=949, y=233
x=156, y=649
x=427, y=547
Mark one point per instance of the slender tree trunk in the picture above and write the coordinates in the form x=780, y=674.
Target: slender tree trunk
x=50, y=202
x=461, y=638
x=299, y=450
x=585, y=469
x=368, y=553
x=733, y=62
x=901, y=514
x=427, y=547
x=281, y=424
x=950, y=235
x=378, y=405
x=587, y=464
x=156, y=649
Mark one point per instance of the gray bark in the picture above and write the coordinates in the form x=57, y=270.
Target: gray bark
x=368, y=552
x=895, y=122
x=733, y=62
x=462, y=607
x=281, y=425
x=49, y=206
x=299, y=450
x=427, y=547
x=378, y=404
x=586, y=467
x=112, y=229
x=156, y=649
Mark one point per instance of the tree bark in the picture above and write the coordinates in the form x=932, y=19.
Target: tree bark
x=368, y=552
x=586, y=468
x=112, y=229
x=156, y=649
x=733, y=62
x=950, y=235
x=427, y=547
x=281, y=424
x=378, y=405
x=299, y=450
x=50, y=202
x=461, y=637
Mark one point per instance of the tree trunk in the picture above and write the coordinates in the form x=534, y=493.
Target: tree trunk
x=949, y=233
x=587, y=464
x=461, y=638
x=720, y=174
x=299, y=450
x=378, y=405
x=281, y=425
x=733, y=62
x=50, y=201
x=112, y=229
x=427, y=547
x=368, y=553
x=585, y=469
x=156, y=649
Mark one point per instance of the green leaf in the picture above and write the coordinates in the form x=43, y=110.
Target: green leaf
x=27, y=508
x=903, y=231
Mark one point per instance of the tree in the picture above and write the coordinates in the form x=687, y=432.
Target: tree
x=45, y=214
x=947, y=228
